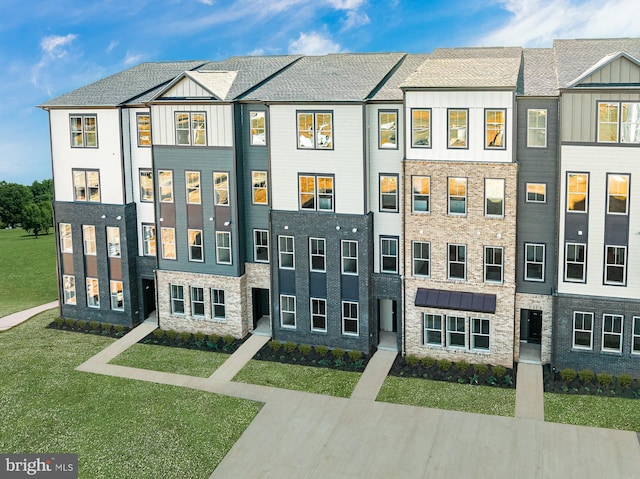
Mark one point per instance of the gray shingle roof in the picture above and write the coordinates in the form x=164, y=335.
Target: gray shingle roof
x=391, y=88
x=540, y=77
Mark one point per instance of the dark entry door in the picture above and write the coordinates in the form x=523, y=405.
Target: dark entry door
x=149, y=294
x=260, y=304
x=535, y=326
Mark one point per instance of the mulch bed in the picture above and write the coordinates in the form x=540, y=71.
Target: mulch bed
x=554, y=383
x=218, y=344
x=88, y=329
x=341, y=362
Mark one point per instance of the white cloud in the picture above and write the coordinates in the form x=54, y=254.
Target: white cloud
x=346, y=4
x=54, y=50
x=355, y=19
x=112, y=45
x=54, y=44
x=132, y=58
x=313, y=43
x=206, y=2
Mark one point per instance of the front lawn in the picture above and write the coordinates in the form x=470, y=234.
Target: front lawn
x=594, y=411
x=119, y=427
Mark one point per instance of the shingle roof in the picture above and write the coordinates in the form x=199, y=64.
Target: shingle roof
x=539, y=77
x=391, y=88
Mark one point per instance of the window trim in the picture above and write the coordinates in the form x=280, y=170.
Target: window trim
x=215, y=301
x=113, y=237
x=413, y=128
x=193, y=302
x=466, y=128
x=170, y=198
x=86, y=241
x=263, y=113
x=486, y=198
x=609, y=195
x=313, y=314
x=451, y=331
x=391, y=239
x=82, y=117
x=574, y=330
x=414, y=194
x=350, y=318
x=526, y=193
x=413, y=259
x=323, y=255
x=450, y=261
x=316, y=192
x=426, y=330
x=189, y=189
x=113, y=283
x=141, y=190
x=536, y=128
x=254, y=189
x=619, y=104
x=219, y=247
x=395, y=129
x=65, y=237
x=635, y=333
x=288, y=253
x=568, y=193
x=566, y=263
x=256, y=246
x=487, y=265
x=449, y=195
x=314, y=115
x=615, y=265
x=145, y=241
x=192, y=130
x=473, y=336
x=526, y=262
x=620, y=335
x=163, y=253
x=343, y=257
x=69, y=293
x=504, y=129
x=396, y=195
x=290, y=311
x=87, y=193
x=95, y=304
x=217, y=190
x=138, y=115
x=193, y=246
x=174, y=299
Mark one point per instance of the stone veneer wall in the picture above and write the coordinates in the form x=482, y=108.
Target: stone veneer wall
x=258, y=275
x=542, y=303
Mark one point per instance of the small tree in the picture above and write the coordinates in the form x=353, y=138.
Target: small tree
x=35, y=219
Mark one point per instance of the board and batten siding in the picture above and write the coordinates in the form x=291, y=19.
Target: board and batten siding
x=219, y=119
x=618, y=71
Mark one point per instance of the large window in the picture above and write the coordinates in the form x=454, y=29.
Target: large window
x=221, y=189
x=389, y=193
x=287, y=311
x=494, y=129
x=168, y=238
x=197, y=302
x=165, y=183
x=457, y=261
x=577, y=191
x=389, y=255
x=493, y=261
x=457, y=196
x=69, y=289
x=84, y=131
x=537, y=128
x=192, y=180
x=259, y=188
x=148, y=240
x=318, y=314
x=421, y=128
x=93, y=292
x=258, y=128
x=144, y=129
x=218, y=306
x=582, y=330
x=388, y=129
x=432, y=329
x=177, y=299
x=116, y=295
x=615, y=265
x=146, y=186
x=612, y=332
x=223, y=247
x=86, y=185
x=575, y=262
x=261, y=246
x=421, y=193
x=618, y=194
x=533, y=262
x=494, y=197
x=316, y=192
x=191, y=129
x=421, y=258
x=536, y=193
x=635, y=340
x=317, y=255
x=349, y=257
x=113, y=242
x=66, y=240
x=315, y=130
x=619, y=122
x=286, y=252
x=457, y=126
x=195, y=245
x=456, y=331
x=480, y=334
x=89, y=239
x=350, y=321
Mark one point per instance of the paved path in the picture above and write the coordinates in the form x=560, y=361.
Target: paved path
x=529, y=398
x=11, y=320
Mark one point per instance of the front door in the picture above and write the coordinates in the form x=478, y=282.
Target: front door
x=386, y=308
x=535, y=326
x=260, y=304
x=149, y=295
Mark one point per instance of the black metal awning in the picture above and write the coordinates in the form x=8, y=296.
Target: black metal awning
x=458, y=300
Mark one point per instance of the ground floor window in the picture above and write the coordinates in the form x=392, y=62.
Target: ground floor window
x=480, y=334
x=177, y=299
x=69, y=288
x=612, y=332
x=218, y=306
x=197, y=302
x=93, y=293
x=350, y=318
x=582, y=330
x=432, y=329
x=318, y=314
x=117, y=297
x=456, y=331
x=635, y=341
x=287, y=311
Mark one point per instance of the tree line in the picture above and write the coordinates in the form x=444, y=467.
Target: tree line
x=28, y=207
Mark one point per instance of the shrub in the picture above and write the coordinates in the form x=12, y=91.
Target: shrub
x=462, y=366
x=119, y=328
x=59, y=321
x=199, y=336
x=625, y=380
x=185, y=336
x=228, y=339
x=480, y=368
x=491, y=381
x=568, y=374
x=304, y=349
x=498, y=371
x=158, y=334
x=321, y=350
x=586, y=375
x=214, y=338
x=93, y=325
x=171, y=334
x=337, y=353
x=354, y=354
x=81, y=324
x=604, y=379
x=275, y=345
x=290, y=346
x=508, y=380
x=70, y=322
x=106, y=327
x=444, y=364
x=428, y=362
x=412, y=360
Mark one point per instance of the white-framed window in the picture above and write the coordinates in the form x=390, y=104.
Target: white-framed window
x=89, y=239
x=480, y=334
x=389, y=193
x=457, y=261
x=315, y=192
x=458, y=128
x=191, y=128
x=192, y=180
x=148, y=240
x=389, y=255
x=221, y=188
x=116, y=295
x=421, y=194
x=536, y=128
x=577, y=192
x=146, y=186
x=617, y=194
x=93, y=293
x=257, y=122
x=635, y=340
x=66, y=239
x=456, y=331
x=143, y=121
x=432, y=329
x=618, y=122
x=493, y=264
x=421, y=258
x=575, y=262
x=582, y=330
x=615, y=268
x=287, y=311
x=421, y=127
x=261, y=246
x=223, y=247
x=286, y=252
x=319, y=315
x=195, y=245
x=612, y=332
x=86, y=185
x=259, y=188
x=388, y=129
x=197, y=302
x=457, y=196
x=69, y=289
x=536, y=193
x=349, y=256
x=165, y=185
x=494, y=197
x=168, y=238
x=218, y=305
x=315, y=130
x=534, y=262
x=113, y=242
x=350, y=322
x=84, y=131
x=494, y=129
x=317, y=254
x=177, y=299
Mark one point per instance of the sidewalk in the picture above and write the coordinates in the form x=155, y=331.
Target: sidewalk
x=8, y=322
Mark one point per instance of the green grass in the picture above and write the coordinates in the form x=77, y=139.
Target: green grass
x=299, y=378
x=594, y=411
x=28, y=270
x=451, y=396
x=171, y=360
x=120, y=428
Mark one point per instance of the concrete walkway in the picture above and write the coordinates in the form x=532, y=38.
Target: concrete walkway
x=373, y=376
x=529, y=392
x=11, y=320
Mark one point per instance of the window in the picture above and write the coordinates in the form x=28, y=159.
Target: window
x=582, y=330
x=317, y=259
x=456, y=331
x=350, y=318
x=432, y=329
x=388, y=125
x=165, y=183
x=457, y=196
x=458, y=128
x=389, y=255
x=177, y=299
x=259, y=187
x=93, y=293
x=421, y=128
x=261, y=246
x=146, y=186
x=536, y=193
x=286, y=252
x=258, y=128
x=316, y=192
x=218, y=307
x=195, y=245
x=144, y=129
x=318, y=314
x=635, y=340
x=315, y=130
x=421, y=193
x=287, y=311
x=197, y=302
x=86, y=185
x=615, y=265
x=617, y=194
x=577, y=189
x=389, y=193
x=612, y=332
x=533, y=262
x=619, y=122
x=69, y=289
x=494, y=197
x=113, y=241
x=537, y=128
x=191, y=129
x=457, y=261
x=149, y=240
x=84, y=131
x=494, y=129
x=89, y=239
x=168, y=237
x=493, y=258
x=575, y=262
x=421, y=258
x=192, y=180
x=221, y=189
x=117, y=298
x=66, y=241
x=223, y=247
x=480, y=334
x=349, y=257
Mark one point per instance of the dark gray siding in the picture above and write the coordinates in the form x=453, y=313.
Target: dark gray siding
x=388, y=286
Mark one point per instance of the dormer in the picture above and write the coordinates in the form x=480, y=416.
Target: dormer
x=198, y=85
x=616, y=70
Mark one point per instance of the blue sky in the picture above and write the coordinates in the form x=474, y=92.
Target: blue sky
x=50, y=47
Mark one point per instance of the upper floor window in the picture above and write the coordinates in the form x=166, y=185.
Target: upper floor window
x=536, y=193
x=316, y=192
x=192, y=180
x=223, y=247
x=494, y=197
x=389, y=255
x=615, y=265
x=537, y=128
x=84, y=131
x=617, y=194
x=143, y=121
x=191, y=128
x=619, y=122
x=168, y=238
x=149, y=240
x=113, y=241
x=146, y=186
x=93, y=292
x=165, y=183
x=457, y=261
x=389, y=193
x=257, y=120
x=86, y=185
x=494, y=129
x=66, y=241
x=533, y=262
x=315, y=130
x=116, y=295
x=261, y=246
x=349, y=257
x=457, y=127
x=457, y=196
x=286, y=252
x=421, y=128
x=194, y=238
x=317, y=256
x=577, y=191
x=493, y=264
x=388, y=129
x=287, y=311
x=421, y=193
x=69, y=289
x=221, y=189
x=575, y=259
x=89, y=239
x=421, y=258
x=259, y=187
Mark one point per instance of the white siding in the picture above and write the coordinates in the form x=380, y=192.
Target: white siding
x=187, y=88
x=219, y=119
